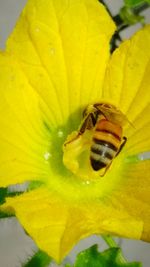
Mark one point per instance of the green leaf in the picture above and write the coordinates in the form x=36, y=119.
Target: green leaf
x=5, y=214
x=91, y=257
x=129, y=17
x=40, y=259
x=3, y=193
x=135, y=3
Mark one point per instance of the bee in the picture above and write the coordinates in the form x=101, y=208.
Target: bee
x=107, y=122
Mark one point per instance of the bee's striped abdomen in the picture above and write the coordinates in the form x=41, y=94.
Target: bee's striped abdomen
x=105, y=145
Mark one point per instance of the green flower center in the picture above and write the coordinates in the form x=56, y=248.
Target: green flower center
x=70, y=173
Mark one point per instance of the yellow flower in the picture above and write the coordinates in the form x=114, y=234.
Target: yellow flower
x=57, y=62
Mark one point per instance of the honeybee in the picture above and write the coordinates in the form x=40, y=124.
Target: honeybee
x=107, y=122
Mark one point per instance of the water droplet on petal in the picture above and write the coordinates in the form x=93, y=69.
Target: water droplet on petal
x=86, y=182
x=47, y=155
x=60, y=133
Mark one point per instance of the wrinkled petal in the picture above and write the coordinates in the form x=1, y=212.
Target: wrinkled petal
x=57, y=225
x=63, y=49
x=134, y=194
x=127, y=85
x=23, y=136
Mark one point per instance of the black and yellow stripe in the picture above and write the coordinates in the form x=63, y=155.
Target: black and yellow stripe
x=104, y=148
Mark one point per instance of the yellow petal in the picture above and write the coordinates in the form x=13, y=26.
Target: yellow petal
x=63, y=49
x=126, y=81
x=127, y=86
x=57, y=225
x=23, y=136
x=134, y=193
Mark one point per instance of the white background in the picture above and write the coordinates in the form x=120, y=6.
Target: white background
x=15, y=246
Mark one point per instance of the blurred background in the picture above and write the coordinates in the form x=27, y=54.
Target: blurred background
x=15, y=246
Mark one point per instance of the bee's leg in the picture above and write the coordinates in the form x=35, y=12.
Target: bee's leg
x=122, y=145
x=88, y=123
x=106, y=169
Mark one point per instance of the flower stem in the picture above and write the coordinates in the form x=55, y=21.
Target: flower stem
x=112, y=244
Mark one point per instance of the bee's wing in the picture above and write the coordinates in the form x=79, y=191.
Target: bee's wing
x=119, y=118
x=115, y=116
